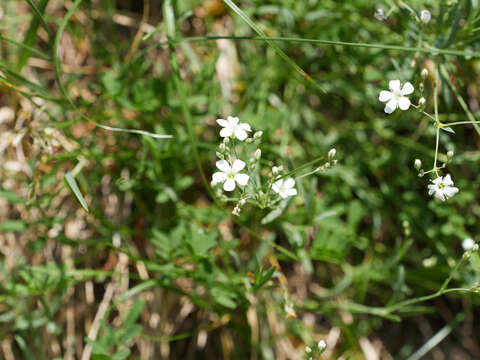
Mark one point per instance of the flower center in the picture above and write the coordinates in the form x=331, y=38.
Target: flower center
x=397, y=94
x=441, y=185
x=231, y=176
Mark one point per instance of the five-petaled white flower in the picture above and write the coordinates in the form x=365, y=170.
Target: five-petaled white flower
x=284, y=188
x=442, y=188
x=233, y=126
x=396, y=96
x=229, y=175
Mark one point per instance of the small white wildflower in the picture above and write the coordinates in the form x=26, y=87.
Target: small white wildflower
x=424, y=73
x=379, y=14
x=425, y=16
x=285, y=188
x=332, y=153
x=322, y=345
x=417, y=164
x=396, y=96
x=233, y=126
x=468, y=244
x=442, y=188
x=230, y=174
x=275, y=170
x=236, y=210
x=258, y=154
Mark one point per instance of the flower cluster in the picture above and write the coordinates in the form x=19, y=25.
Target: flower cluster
x=239, y=169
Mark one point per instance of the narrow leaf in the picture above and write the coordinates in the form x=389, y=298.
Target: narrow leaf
x=72, y=184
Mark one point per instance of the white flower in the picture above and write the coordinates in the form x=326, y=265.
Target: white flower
x=424, y=73
x=233, y=126
x=322, y=345
x=425, y=16
x=229, y=175
x=468, y=244
x=442, y=188
x=284, y=188
x=396, y=96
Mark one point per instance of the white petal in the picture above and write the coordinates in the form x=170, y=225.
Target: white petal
x=291, y=192
x=394, y=85
x=404, y=103
x=283, y=194
x=245, y=126
x=223, y=123
x=224, y=166
x=450, y=191
x=289, y=183
x=431, y=189
x=233, y=120
x=229, y=185
x=439, y=194
x=219, y=177
x=242, y=179
x=407, y=88
x=385, y=95
x=237, y=166
x=447, y=180
x=390, y=106
x=226, y=132
x=275, y=187
x=438, y=180
x=240, y=134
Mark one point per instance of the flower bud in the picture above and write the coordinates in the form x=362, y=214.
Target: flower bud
x=226, y=140
x=275, y=170
x=379, y=14
x=417, y=164
x=258, y=135
x=422, y=101
x=222, y=147
x=331, y=153
x=258, y=154
x=425, y=16
x=322, y=345
x=424, y=73
x=220, y=155
x=450, y=154
x=242, y=202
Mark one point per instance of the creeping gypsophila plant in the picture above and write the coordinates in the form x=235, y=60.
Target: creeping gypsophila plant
x=239, y=177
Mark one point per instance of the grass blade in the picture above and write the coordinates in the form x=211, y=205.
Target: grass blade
x=279, y=51
x=72, y=185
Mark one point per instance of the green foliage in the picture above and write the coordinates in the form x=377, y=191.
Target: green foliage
x=361, y=248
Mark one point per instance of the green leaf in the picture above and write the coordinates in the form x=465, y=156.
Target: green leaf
x=12, y=225
x=12, y=197
x=275, y=213
x=72, y=184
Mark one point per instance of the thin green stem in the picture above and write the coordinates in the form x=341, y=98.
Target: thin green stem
x=466, y=122
x=437, y=122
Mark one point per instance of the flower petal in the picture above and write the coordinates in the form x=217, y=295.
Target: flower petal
x=237, y=166
x=223, y=123
x=242, y=179
x=226, y=132
x=390, y=106
x=245, y=126
x=291, y=192
x=229, y=185
x=233, y=120
x=240, y=134
x=289, y=183
x=440, y=195
x=450, y=191
x=447, y=180
x=275, y=187
x=385, y=96
x=407, y=89
x=224, y=166
x=219, y=177
x=394, y=85
x=404, y=103
x=438, y=180
x=431, y=189
x=283, y=194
